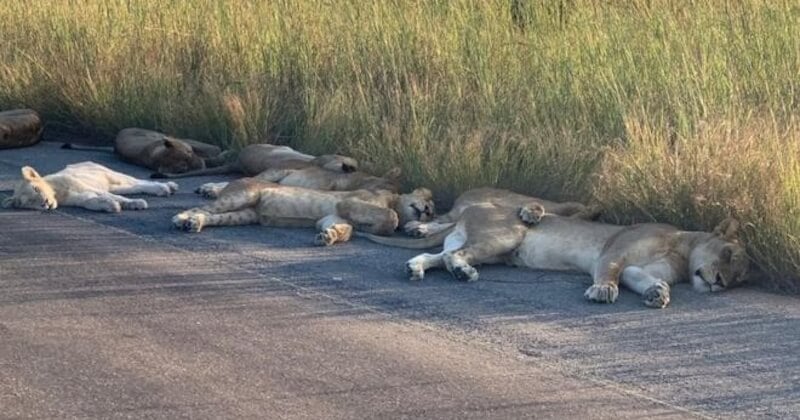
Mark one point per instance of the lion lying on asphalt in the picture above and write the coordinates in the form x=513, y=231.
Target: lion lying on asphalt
x=85, y=184
x=317, y=178
x=257, y=158
x=647, y=258
x=495, y=197
x=334, y=213
x=159, y=152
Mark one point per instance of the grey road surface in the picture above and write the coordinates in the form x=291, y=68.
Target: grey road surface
x=118, y=316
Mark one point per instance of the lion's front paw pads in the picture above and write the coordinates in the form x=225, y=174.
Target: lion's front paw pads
x=414, y=271
x=207, y=191
x=135, y=204
x=189, y=222
x=466, y=273
x=657, y=295
x=531, y=214
x=416, y=229
x=602, y=293
x=327, y=237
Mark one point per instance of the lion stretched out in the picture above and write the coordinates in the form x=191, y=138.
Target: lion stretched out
x=317, y=178
x=159, y=152
x=86, y=184
x=648, y=258
x=257, y=158
x=498, y=198
x=334, y=213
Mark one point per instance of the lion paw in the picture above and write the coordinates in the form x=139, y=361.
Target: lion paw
x=657, y=295
x=164, y=189
x=173, y=187
x=189, y=222
x=327, y=237
x=416, y=229
x=135, y=204
x=531, y=214
x=207, y=191
x=113, y=207
x=415, y=271
x=465, y=273
x=602, y=293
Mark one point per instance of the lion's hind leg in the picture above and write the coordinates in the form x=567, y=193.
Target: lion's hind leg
x=333, y=229
x=195, y=220
x=490, y=234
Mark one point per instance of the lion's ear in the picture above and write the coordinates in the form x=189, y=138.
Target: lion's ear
x=169, y=143
x=727, y=253
x=393, y=173
x=9, y=202
x=29, y=173
x=425, y=193
x=728, y=229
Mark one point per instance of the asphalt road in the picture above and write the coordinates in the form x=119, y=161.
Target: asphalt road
x=118, y=316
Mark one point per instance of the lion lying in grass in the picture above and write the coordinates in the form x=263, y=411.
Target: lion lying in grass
x=86, y=184
x=334, y=213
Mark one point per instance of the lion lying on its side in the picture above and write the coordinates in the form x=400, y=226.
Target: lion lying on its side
x=334, y=213
x=159, y=152
x=85, y=184
x=316, y=178
x=257, y=158
x=648, y=258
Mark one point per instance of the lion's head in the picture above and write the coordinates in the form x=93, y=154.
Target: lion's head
x=415, y=206
x=33, y=192
x=718, y=261
x=175, y=157
x=336, y=163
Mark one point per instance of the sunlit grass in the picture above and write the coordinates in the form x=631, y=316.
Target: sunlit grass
x=677, y=111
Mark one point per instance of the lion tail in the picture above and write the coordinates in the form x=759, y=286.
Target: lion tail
x=431, y=241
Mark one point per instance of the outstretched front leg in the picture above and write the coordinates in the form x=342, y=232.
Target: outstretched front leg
x=606, y=280
x=652, y=282
x=103, y=201
x=195, y=220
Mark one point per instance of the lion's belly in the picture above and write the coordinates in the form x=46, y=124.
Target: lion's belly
x=555, y=245
x=288, y=204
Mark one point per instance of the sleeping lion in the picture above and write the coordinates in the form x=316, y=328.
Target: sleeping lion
x=86, y=184
x=334, y=213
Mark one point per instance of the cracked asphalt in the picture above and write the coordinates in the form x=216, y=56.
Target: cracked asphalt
x=119, y=316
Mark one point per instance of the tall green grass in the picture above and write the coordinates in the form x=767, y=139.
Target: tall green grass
x=677, y=111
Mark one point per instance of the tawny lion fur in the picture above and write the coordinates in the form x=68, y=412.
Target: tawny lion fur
x=334, y=213
x=647, y=258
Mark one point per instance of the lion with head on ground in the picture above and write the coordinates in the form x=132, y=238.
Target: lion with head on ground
x=86, y=184
x=335, y=213
x=257, y=158
x=160, y=152
x=646, y=258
